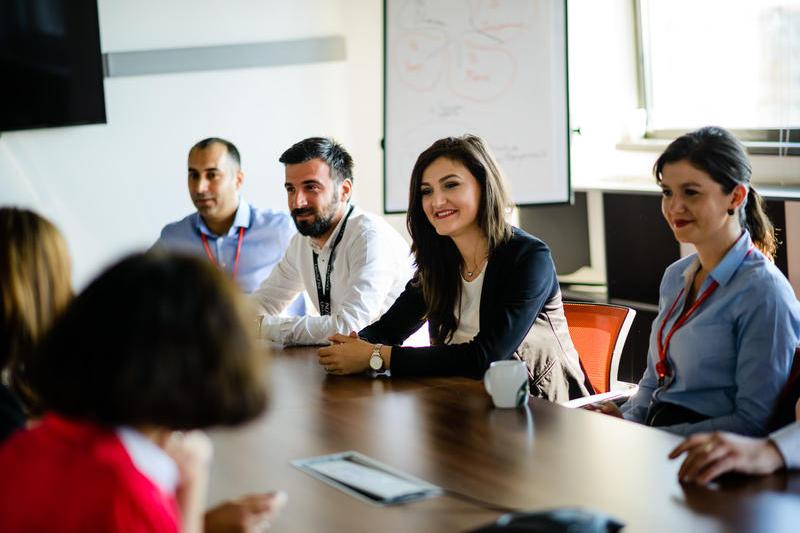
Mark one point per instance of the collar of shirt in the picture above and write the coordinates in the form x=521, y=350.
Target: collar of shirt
x=327, y=246
x=726, y=268
x=240, y=220
x=150, y=459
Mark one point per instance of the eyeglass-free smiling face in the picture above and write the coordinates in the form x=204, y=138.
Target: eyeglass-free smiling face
x=315, y=199
x=451, y=198
x=695, y=206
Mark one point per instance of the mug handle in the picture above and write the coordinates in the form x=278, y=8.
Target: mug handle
x=486, y=381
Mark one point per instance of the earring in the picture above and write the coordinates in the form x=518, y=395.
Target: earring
x=730, y=212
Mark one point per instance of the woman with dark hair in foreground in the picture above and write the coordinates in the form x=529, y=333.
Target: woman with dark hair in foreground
x=157, y=344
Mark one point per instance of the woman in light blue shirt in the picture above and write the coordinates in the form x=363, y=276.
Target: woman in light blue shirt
x=722, y=344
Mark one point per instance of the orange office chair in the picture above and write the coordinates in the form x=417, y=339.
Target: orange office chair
x=598, y=332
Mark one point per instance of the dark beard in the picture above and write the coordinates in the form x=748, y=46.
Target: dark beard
x=315, y=228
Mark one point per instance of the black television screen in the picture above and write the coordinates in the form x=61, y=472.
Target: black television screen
x=51, y=65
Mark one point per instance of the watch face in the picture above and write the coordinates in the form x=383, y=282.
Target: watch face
x=375, y=362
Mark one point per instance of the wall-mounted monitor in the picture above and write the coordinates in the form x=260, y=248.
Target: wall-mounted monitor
x=51, y=64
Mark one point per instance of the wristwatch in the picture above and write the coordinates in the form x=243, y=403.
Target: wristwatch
x=375, y=360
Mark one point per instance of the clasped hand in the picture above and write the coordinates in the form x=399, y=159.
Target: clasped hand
x=347, y=354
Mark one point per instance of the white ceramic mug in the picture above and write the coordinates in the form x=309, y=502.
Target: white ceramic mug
x=507, y=383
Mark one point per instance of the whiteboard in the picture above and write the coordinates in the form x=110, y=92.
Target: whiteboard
x=494, y=68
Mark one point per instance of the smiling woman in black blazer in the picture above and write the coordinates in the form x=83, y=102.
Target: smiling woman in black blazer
x=488, y=290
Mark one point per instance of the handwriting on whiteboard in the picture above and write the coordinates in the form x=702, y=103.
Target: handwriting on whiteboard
x=469, y=52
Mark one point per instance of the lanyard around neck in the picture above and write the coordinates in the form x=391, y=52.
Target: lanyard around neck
x=324, y=294
x=663, y=368
x=238, y=251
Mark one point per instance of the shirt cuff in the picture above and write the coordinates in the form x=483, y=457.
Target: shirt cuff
x=277, y=328
x=787, y=439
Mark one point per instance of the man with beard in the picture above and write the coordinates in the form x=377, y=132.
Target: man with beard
x=352, y=264
x=238, y=238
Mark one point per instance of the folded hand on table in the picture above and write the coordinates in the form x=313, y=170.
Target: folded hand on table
x=347, y=354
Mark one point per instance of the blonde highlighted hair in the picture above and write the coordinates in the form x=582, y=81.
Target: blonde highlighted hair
x=35, y=288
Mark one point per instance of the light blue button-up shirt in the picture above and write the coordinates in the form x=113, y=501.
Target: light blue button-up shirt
x=266, y=236
x=732, y=357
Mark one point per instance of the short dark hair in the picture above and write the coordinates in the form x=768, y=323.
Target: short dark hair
x=326, y=149
x=718, y=153
x=158, y=339
x=229, y=146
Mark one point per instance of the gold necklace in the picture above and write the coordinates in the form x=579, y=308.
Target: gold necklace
x=468, y=274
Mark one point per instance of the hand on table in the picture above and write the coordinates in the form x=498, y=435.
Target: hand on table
x=709, y=455
x=347, y=354
x=607, y=408
x=251, y=513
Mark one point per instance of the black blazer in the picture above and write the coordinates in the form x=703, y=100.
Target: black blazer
x=520, y=292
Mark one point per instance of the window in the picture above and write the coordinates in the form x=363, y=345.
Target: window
x=732, y=63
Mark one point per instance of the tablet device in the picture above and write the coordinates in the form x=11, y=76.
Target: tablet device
x=367, y=479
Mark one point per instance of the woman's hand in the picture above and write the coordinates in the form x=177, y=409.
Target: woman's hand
x=709, y=455
x=192, y=455
x=251, y=513
x=607, y=408
x=347, y=354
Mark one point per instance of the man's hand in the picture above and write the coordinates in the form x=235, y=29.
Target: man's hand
x=709, y=455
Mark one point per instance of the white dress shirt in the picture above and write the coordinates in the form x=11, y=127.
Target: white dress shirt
x=150, y=459
x=371, y=266
x=787, y=439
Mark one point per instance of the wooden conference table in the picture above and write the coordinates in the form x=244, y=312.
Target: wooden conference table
x=446, y=432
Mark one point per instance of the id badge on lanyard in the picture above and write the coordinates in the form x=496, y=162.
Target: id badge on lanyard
x=324, y=293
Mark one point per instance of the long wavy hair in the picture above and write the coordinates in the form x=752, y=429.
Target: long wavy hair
x=719, y=154
x=35, y=288
x=437, y=258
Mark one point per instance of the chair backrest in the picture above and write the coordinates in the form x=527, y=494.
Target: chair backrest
x=785, y=408
x=598, y=332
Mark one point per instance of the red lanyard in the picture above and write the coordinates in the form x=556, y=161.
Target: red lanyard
x=238, y=250
x=662, y=366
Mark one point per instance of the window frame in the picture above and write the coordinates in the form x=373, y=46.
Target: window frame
x=765, y=141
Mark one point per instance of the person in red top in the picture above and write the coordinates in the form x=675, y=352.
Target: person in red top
x=72, y=475
x=109, y=454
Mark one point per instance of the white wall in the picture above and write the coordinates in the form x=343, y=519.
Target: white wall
x=110, y=188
